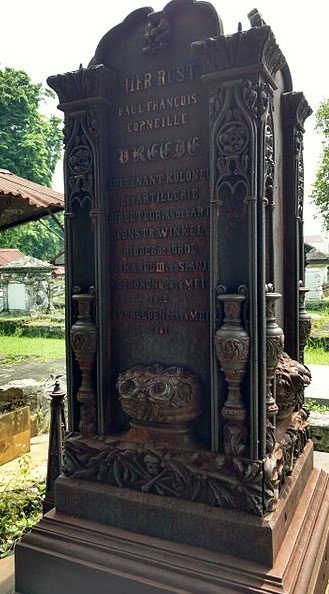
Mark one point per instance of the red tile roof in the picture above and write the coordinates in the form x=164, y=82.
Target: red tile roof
x=22, y=200
x=8, y=255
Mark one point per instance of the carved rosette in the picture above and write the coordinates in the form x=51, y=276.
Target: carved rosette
x=232, y=351
x=83, y=340
x=80, y=138
x=232, y=146
x=274, y=349
x=157, y=394
x=305, y=322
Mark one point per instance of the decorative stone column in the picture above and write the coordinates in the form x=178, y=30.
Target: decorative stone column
x=295, y=111
x=85, y=100
x=240, y=70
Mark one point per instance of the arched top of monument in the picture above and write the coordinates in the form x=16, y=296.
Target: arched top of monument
x=150, y=33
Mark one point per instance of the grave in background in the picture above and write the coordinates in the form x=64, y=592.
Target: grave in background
x=188, y=466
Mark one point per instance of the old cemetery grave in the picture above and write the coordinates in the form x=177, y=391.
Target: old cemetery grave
x=188, y=465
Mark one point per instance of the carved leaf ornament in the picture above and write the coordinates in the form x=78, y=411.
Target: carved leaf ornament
x=195, y=475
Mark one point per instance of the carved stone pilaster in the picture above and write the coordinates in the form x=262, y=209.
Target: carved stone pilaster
x=85, y=98
x=295, y=110
x=240, y=71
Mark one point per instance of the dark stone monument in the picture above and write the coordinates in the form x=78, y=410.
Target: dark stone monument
x=188, y=465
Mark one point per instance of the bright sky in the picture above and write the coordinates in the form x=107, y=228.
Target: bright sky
x=45, y=38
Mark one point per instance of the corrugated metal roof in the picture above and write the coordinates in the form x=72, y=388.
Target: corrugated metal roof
x=9, y=254
x=22, y=200
x=27, y=262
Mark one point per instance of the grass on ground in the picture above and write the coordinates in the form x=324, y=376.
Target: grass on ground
x=14, y=349
x=320, y=318
x=316, y=356
x=21, y=499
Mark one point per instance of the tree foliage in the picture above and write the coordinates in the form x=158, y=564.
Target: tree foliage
x=30, y=146
x=320, y=192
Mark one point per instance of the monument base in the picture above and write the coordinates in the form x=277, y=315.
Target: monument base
x=65, y=555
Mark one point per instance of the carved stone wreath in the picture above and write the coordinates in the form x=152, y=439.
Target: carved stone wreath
x=159, y=395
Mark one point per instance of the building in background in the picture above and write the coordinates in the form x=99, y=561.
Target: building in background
x=317, y=266
x=25, y=283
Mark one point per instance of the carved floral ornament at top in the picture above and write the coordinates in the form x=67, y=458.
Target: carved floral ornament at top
x=157, y=32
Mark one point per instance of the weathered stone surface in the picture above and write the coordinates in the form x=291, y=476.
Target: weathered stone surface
x=319, y=425
x=33, y=393
x=10, y=398
x=14, y=434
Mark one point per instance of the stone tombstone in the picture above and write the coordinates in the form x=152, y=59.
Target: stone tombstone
x=159, y=210
x=189, y=439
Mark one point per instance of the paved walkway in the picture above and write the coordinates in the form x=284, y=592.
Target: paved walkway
x=319, y=386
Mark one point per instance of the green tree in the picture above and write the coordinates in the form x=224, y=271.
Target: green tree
x=320, y=192
x=30, y=146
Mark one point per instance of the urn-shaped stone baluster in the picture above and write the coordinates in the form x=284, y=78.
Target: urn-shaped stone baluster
x=274, y=349
x=232, y=351
x=83, y=341
x=305, y=322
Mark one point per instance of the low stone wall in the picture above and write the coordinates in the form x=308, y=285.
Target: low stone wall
x=319, y=425
x=14, y=434
x=34, y=394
